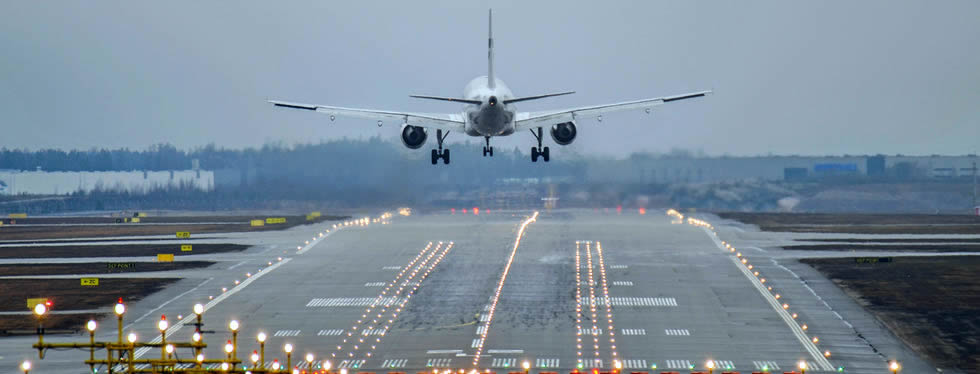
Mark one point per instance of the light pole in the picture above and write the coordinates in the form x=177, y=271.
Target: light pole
x=132, y=348
x=289, y=355
x=261, y=339
x=710, y=365
x=39, y=310
x=233, y=326
x=309, y=361
x=90, y=326
x=25, y=366
x=802, y=366
x=162, y=325
x=894, y=366
x=326, y=366
x=255, y=359
x=527, y=367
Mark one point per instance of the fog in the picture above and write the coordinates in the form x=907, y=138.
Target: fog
x=790, y=78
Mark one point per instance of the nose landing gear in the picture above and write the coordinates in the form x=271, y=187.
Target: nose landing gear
x=539, y=151
x=487, y=150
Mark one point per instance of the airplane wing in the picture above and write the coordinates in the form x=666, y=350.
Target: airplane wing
x=444, y=121
x=527, y=120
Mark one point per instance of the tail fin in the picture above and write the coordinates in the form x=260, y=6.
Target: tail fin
x=490, y=78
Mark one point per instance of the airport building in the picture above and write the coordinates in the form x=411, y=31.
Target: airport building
x=37, y=182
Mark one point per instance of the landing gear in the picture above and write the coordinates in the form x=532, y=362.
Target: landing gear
x=487, y=150
x=539, y=151
x=440, y=153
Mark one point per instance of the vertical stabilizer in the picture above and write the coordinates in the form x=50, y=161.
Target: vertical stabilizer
x=491, y=81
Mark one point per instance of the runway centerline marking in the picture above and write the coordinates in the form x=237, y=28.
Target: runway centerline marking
x=500, y=287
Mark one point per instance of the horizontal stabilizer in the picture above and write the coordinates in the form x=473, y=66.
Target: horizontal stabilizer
x=453, y=99
x=526, y=98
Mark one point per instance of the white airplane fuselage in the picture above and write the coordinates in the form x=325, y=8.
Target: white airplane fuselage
x=493, y=117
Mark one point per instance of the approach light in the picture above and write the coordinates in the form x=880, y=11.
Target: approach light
x=90, y=326
x=802, y=365
x=200, y=357
x=169, y=348
x=40, y=309
x=196, y=337
x=229, y=347
x=261, y=337
x=198, y=309
x=224, y=366
x=25, y=366
x=233, y=325
x=275, y=365
x=710, y=364
x=893, y=366
x=326, y=365
x=309, y=359
x=131, y=338
x=255, y=357
x=288, y=348
x=162, y=325
x=120, y=308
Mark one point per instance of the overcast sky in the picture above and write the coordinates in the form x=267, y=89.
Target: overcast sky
x=791, y=77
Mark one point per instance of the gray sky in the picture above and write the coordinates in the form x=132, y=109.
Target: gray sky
x=791, y=77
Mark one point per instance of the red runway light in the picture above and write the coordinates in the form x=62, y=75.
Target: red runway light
x=476, y=211
x=453, y=210
x=619, y=209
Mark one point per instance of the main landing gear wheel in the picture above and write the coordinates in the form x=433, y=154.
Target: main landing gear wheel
x=440, y=153
x=544, y=153
x=443, y=154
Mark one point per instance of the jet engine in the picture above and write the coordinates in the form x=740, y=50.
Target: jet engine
x=564, y=133
x=413, y=136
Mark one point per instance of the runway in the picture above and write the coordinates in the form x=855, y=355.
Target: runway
x=574, y=289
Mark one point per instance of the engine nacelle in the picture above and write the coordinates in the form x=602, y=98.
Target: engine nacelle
x=564, y=133
x=413, y=136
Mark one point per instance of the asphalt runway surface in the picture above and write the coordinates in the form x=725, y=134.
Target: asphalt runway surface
x=583, y=289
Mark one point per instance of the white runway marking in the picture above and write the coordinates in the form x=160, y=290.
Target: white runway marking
x=374, y=284
x=130, y=325
x=546, y=363
x=765, y=365
x=480, y=330
x=368, y=332
x=677, y=332
x=177, y=325
x=287, y=333
x=595, y=331
x=591, y=363
x=352, y=364
x=634, y=364
x=391, y=268
x=351, y=301
x=476, y=343
x=678, y=364
x=790, y=322
x=640, y=301
x=634, y=331
x=439, y=363
x=506, y=351
x=331, y=332
x=396, y=363
x=503, y=363
x=724, y=365
x=236, y=265
x=619, y=267
x=622, y=283
x=443, y=351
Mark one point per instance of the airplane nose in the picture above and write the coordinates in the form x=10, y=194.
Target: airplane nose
x=493, y=100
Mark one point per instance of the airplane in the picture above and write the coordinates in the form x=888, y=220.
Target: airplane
x=489, y=111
